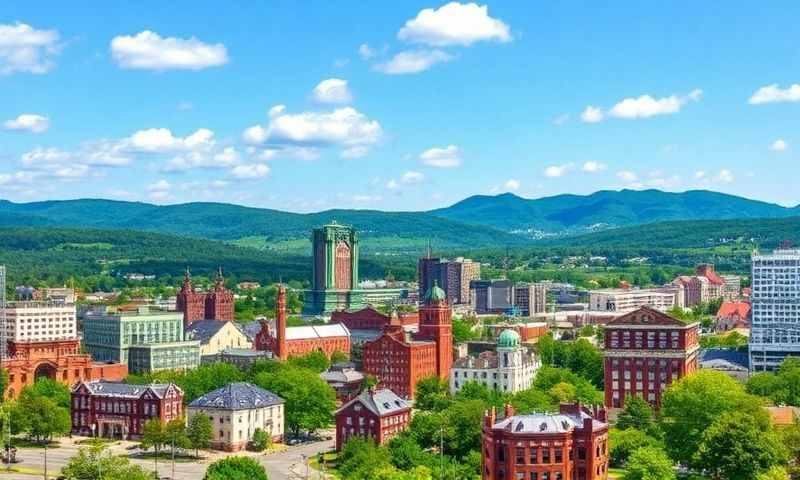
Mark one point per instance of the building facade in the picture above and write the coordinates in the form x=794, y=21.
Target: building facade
x=146, y=340
x=216, y=304
x=399, y=359
x=453, y=276
x=530, y=298
x=732, y=316
x=334, y=277
x=370, y=319
x=504, y=296
x=510, y=369
x=569, y=445
x=629, y=299
x=704, y=286
x=236, y=411
x=119, y=410
x=775, y=315
x=376, y=414
x=645, y=351
x=215, y=336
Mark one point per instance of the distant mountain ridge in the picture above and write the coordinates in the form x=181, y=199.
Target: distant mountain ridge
x=480, y=220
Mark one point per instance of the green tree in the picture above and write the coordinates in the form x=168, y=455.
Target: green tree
x=260, y=441
x=47, y=388
x=310, y=401
x=649, y=463
x=199, y=432
x=463, y=332
x=406, y=453
x=462, y=430
x=360, y=459
x=637, y=414
x=432, y=394
x=339, y=357
x=236, y=468
x=563, y=392
x=774, y=473
x=44, y=419
x=154, y=436
x=622, y=443
x=316, y=361
x=738, y=446
x=479, y=391
x=97, y=463
x=532, y=400
x=175, y=434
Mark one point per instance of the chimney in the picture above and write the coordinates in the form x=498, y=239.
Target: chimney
x=490, y=417
x=509, y=410
x=280, y=323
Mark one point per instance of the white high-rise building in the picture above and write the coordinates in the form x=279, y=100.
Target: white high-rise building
x=32, y=321
x=775, y=298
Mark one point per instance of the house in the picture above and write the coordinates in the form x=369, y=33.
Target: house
x=119, y=410
x=216, y=336
x=237, y=411
x=732, y=315
x=375, y=414
x=510, y=369
x=345, y=380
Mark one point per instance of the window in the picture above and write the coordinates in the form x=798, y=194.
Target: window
x=581, y=453
x=559, y=455
x=520, y=456
x=545, y=455
x=534, y=455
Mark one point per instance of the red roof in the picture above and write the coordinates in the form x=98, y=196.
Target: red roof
x=708, y=272
x=729, y=309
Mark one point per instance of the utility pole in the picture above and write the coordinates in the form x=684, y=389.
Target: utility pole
x=45, y=459
x=173, y=447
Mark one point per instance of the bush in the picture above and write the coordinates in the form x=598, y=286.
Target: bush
x=260, y=442
x=236, y=468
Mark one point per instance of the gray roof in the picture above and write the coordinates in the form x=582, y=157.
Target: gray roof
x=119, y=389
x=380, y=402
x=204, y=330
x=342, y=376
x=545, y=423
x=251, y=329
x=238, y=396
x=720, y=356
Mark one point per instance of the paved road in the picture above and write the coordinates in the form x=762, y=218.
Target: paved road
x=286, y=465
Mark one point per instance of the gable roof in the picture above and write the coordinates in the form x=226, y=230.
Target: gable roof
x=238, y=396
x=204, y=330
x=647, y=316
x=727, y=309
x=125, y=390
x=380, y=402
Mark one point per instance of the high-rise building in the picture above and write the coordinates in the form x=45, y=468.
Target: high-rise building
x=334, y=277
x=453, y=276
x=503, y=296
x=530, y=298
x=645, y=351
x=629, y=299
x=216, y=304
x=775, y=314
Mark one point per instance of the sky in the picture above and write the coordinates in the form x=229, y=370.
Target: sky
x=306, y=106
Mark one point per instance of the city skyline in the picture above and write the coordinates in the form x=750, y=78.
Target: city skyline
x=263, y=106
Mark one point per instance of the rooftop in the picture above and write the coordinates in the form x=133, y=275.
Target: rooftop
x=380, y=402
x=238, y=396
x=204, y=330
x=125, y=390
x=546, y=423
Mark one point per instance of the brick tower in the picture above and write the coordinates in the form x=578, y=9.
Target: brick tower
x=435, y=323
x=219, y=301
x=280, y=323
x=189, y=302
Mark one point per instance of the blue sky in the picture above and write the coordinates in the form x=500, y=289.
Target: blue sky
x=305, y=106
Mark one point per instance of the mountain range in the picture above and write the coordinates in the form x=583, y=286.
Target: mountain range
x=477, y=221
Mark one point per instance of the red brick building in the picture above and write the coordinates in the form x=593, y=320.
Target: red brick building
x=216, y=304
x=285, y=342
x=119, y=410
x=58, y=360
x=732, y=315
x=375, y=414
x=399, y=360
x=569, y=445
x=645, y=351
x=528, y=332
x=370, y=319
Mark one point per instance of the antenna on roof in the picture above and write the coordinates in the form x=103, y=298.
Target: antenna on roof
x=429, y=248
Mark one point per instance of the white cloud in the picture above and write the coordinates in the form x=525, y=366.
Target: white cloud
x=593, y=167
x=29, y=122
x=45, y=156
x=366, y=198
x=724, y=176
x=413, y=61
x=149, y=51
x=447, y=157
x=454, y=24
x=276, y=110
x=159, y=191
x=512, y=185
x=159, y=185
x=646, y=106
x=358, y=151
x=227, y=157
x=779, y=145
x=775, y=94
x=185, y=106
x=249, y=172
x=592, y=114
x=24, y=49
x=555, y=171
x=332, y=90
x=161, y=140
x=627, y=176
x=366, y=52
x=255, y=135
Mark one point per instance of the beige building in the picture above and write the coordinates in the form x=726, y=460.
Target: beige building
x=40, y=321
x=237, y=411
x=216, y=336
x=628, y=300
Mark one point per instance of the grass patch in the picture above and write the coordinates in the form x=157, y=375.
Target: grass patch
x=330, y=460
x=616, y=473
x=22, y=442
x=166, y=457
x=24, y=470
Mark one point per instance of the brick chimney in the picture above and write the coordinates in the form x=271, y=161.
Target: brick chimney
x=509, y=410
x=489, y=417
x=280, y=324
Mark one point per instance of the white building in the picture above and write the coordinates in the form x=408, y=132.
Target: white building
x=236, y=411
x=33, y=321
x=628, y=300
x=775, y=314
x=510, y=369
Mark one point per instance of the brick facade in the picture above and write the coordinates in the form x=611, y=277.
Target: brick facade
x=370, y=319
x=379, y=415
x=216, y=304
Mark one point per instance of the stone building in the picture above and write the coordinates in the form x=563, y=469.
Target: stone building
x=147, y=340
x=399, y=359
x=645, y=351
x=334, y=278
x=376, y=414
x=569, y=445
x=237, y=411
x=510, y=369
x=216, y=336
x=702, y=287
x=119, y=410
x=216, y=304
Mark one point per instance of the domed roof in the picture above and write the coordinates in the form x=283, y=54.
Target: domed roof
x=508, y=339
x=435, y=293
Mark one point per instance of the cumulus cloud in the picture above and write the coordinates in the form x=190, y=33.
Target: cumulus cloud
x=227, y=157
x=512, y=185
x=775, y=94
x=446, y=157
x=591, y=114
x=28, y=122
x=646, y=106
x=627, y=176
x=779, y=145
x=149, y=51
x=408, y=178
x=593, y=167
x=159, y=191
x=413, y=61
x=24, y=49
x=454, y=24
x=332, y=90
x=555, y=171
x=250, y=172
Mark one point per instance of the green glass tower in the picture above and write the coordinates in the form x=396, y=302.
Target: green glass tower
x=334, y=276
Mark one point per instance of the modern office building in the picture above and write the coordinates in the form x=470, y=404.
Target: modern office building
x=334, y=276
x=509, y=369
x=775, y=313
x=147, y=340
x=629, y=299
x=645, y=351
x=506, y=297
x=569, y=445
x=530, y=299
x=452, y=276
